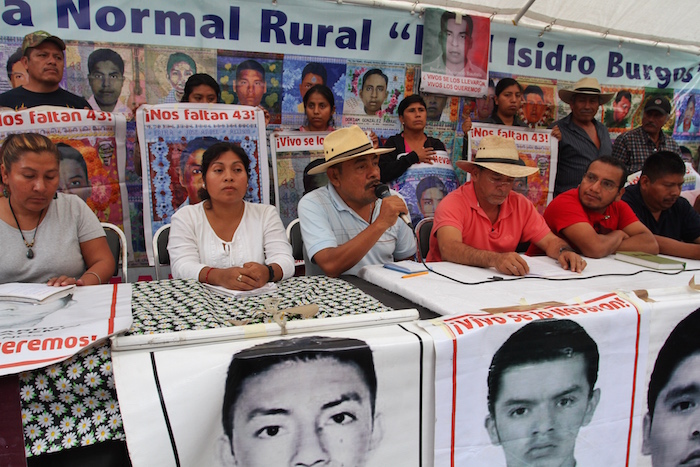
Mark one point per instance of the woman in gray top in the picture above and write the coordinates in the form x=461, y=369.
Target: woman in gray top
x=46, y=236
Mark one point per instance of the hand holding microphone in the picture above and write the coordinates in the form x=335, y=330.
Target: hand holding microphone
x=394, y=203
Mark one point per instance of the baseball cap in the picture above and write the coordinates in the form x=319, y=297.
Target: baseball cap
x=660, y=103
x=34, y=39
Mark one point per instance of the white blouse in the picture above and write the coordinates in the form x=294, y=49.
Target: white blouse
x=260, y=238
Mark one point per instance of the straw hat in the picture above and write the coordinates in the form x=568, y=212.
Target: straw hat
x=589, y=86
x=500, y=155
x=345, y=144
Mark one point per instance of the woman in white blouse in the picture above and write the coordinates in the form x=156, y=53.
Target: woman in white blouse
x=224, y=240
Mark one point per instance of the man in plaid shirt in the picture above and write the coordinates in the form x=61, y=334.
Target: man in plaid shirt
x=633, y=148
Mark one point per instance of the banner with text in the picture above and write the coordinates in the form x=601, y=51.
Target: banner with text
x=92, y=153
x=455, y=53
x=172, y=139
x=552, y=384
x=292, y=155
x=34, y=336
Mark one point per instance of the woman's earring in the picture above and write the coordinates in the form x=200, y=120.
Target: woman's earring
x=5, y=191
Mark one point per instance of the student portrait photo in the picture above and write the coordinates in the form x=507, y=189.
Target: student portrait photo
x=458, y=44
x=373, y=88
x=671, y=428
x=167, y=70
x=541, y=392
x=190, y=170
x=307, y=401
x=252, y=79
x=73, y=172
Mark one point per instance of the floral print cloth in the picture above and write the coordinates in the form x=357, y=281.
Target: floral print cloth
x=74, y=402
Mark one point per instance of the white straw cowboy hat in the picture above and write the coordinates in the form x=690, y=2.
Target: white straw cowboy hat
x=345, y=144
x=589, y=86
x=500, y=155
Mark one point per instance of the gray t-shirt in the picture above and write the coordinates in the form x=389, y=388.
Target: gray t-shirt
x=68, y=223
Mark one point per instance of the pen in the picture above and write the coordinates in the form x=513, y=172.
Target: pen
x=415, y=274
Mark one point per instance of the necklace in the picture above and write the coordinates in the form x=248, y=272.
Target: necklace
x=30, y=252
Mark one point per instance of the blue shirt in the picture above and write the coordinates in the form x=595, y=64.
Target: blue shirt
x=576, y=151
x=327, y=222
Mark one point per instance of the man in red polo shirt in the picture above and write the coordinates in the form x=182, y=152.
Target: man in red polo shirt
x=482, y=222
x=593, y=219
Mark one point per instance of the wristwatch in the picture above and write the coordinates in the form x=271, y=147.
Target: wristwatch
x=272, y=273
x=562, y=249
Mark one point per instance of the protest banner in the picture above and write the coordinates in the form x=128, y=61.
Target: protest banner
x=424, y=185
x=34, y=336
x=455, y=53
x=357, y=392
x=291, y=153
x=172, y=139
x=93, y=155
x=497, y=375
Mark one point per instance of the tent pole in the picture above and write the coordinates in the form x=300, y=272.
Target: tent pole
x=522, y=11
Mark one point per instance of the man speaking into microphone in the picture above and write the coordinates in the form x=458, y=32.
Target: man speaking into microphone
x=350, y=222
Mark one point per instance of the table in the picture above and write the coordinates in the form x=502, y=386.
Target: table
x=601, y=275
x=74, y=403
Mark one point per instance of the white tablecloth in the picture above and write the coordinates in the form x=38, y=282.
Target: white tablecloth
x=448, y=297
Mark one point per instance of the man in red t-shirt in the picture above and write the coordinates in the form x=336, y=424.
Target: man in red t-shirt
x=593, y=219
x=482, y=222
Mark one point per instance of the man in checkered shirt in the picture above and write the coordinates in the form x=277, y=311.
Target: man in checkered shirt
x=633, y=148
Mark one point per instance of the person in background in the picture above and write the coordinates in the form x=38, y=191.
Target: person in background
x=73, y=172
x=44, y=59
x=485, y=104
x=633, y=147
x=225, y=240
x=687, y=155
x=106, y=78
x=319, y=106
x=202, y=89
x=582, y=138
x=15, y=70
x=656, y=201
x=412, y=145
x=507, y=102
x=46, y=236
x=179, y=68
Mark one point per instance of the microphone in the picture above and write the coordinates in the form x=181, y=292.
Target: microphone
x=381, y=191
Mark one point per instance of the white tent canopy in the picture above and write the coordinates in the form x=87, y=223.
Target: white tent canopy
x=671, y=23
